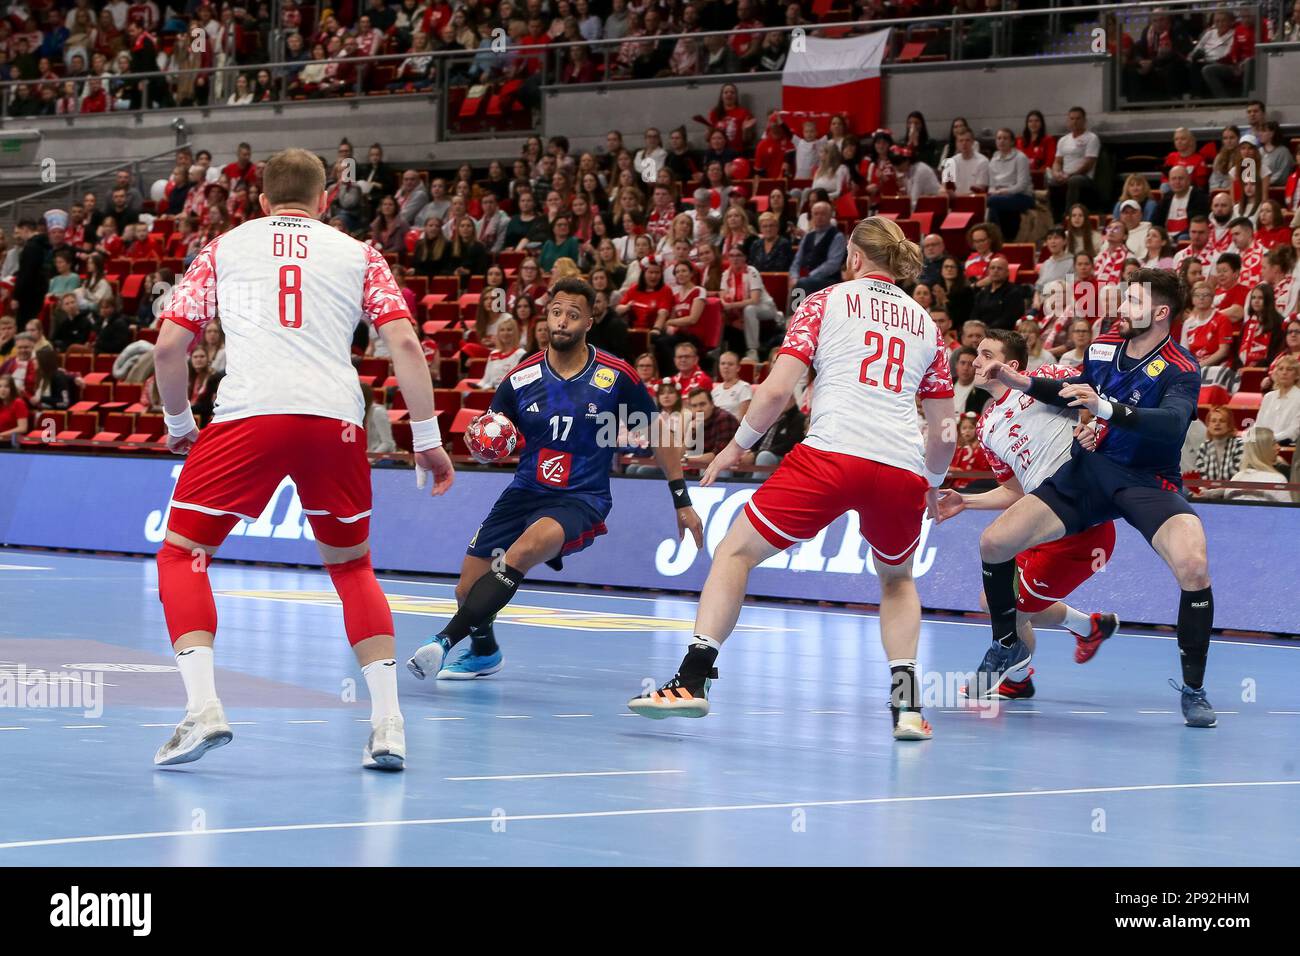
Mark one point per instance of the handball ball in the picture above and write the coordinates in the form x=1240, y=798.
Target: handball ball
x=492, y=437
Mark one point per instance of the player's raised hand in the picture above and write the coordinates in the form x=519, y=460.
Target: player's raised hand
x=181, y=444
x=1001, y=372
x=947, y=504
x=688, y=520
x=437, y=461
x=1083, y=397
x=1086, y=436
x=724, y=460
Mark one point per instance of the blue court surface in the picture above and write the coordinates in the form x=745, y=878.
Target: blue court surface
x=543, y=765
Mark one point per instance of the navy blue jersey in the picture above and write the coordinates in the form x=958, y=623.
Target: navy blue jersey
x=570, y=426
x=1167, y=378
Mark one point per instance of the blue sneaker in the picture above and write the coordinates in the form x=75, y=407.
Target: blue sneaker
x=470, y=665
x=1000, y=666
x=1197, y=710
x=428, y=659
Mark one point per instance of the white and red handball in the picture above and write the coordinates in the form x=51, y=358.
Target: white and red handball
x=492, y=437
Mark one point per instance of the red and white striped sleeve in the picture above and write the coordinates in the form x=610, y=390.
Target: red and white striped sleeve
x=804, y=330
x=381, y=300
x=937, y=380
x=1001, y=470
x=192, y=303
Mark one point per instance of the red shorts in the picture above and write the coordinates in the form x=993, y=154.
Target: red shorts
x=235, y=467
x=1049, y=572
x=811, y=488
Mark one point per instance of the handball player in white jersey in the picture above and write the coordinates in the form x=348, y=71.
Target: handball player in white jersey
x=289, y=291
x=1026, y=441
x=873, y=351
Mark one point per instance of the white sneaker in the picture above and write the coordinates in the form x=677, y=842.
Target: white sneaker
x=195, y=735
x=386, y=748
x=912, y=726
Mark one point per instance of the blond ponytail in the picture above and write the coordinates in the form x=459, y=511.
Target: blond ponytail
x=882, y=241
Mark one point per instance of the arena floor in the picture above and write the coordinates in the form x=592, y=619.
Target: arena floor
x=542, y=764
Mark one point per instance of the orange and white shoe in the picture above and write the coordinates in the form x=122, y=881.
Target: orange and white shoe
x=1101, y=627
x=910, y=725
x=674, y=699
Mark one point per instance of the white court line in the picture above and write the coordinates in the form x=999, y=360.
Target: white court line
x=776, y=605
x=513, y=716
x=1017, y=711
x=444, y=718
x=1087, y=711
x=84, y=726
x=571, y=715
x=648, y=811
x=587, y=773
x=13, y=728
x=1155, y=711
x=22, y=567
x=1288, y=713
x=241, y=723
x=307, y=721
x=828, y=711
x=764, y=713
x=155, y=725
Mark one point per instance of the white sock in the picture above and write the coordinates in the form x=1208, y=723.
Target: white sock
x=706, y=640
x=1077, y=621
x=903, y=662
x=381, y=679
x=200, y=679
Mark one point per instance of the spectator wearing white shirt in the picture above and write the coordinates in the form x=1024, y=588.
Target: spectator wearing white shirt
x=654, y=151
x=1280, y=409
x=731, y=392
x=118, y=9
x=968, y=170
x=915, y=178
x=1258, y=464
x=1011, y=187
x=1130, y=214
x=1059, y=262
x=831, y=174
x=806, y=150
x=1071, y=176
x=1080, y=339
x=744, y=296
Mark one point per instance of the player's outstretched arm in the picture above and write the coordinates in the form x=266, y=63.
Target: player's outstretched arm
x=952, y=502
x=764, y=409
x=413, y=379
x=668, y=452
x=172, y=377
x=1166, y=423
x=940, y=443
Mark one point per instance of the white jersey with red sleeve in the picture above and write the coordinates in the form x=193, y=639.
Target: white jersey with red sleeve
x=1026, y=438
x=289, y=291
x=874, y=351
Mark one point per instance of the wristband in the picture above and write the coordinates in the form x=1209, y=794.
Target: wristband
x=746, y=434
x=1104, y=409
x=180, y=424
x=681, y=497
x=935, y=478
x=425, y=435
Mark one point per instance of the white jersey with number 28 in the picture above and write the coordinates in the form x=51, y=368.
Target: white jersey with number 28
x=874, y=350
x=289, y=292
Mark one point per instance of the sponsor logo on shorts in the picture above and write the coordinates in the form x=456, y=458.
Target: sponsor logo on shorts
x=526, y=375
x=553, y=467
x=604, y=378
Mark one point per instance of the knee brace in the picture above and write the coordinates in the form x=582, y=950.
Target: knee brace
x=366, y=612
x=184, y=591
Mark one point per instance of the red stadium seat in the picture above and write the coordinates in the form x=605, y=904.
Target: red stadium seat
x=1249, y=379
x=709, y=329
x=78, y=362
x=95, y=394
x=900, y=206
x=458, y=426
x=479, y=399
x=104, y=362
x=778, y=287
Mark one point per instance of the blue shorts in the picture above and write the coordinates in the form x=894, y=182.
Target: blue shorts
x=1089, y=489
x=581, y=517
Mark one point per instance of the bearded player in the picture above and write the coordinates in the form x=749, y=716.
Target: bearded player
x=1025, y=441
x=1143, y=388
x=875, y=352
x=568, y=403
x=289, y=291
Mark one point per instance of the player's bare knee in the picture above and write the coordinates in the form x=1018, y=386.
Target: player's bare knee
x=1192, y=571
x=995, y=545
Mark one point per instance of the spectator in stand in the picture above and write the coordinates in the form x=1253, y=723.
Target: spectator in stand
x=53, y=388
x=8, y=335
x=967, y=396
x=465, y=255
x=1271, y=229
x=649, y=301
x=1279, y=272
x=1036, y=143
x=731, y=393
x=779, y=440
x=1206, y=332
x=1226, y=160
x=712, y=429
x=1230, y=293
x=831, y=174
x=1011, y=188
x=969, y=455
x=953, y=292
x=64, y=278
x=562, y=244
x=1220, y=55
x=431, y=257
x=21, y=365
x=388, y=229
x=1081, y=234
x=985, y=242
x=770, y=252
x=820, y=257
x=745, y=302
x=1158, y=70
x=968, y=170
x=915, y=178
x=917, y=139
x=1182, y=203
x=37, y=332
x=1220, y=455
x=1159, y=250
x=71, y=324
x=1195, y=161
x=15, y=416
x=1260, y=465
x=608, y=331
x=1138, y=190
x=1249, y=249
x=806, y=150
x=203, y=385
x=214, y=340
x=1059, y=263
x=412, y=196
x=507, y=354
x=932, y=256
x=1033, y=336
x=1071, y=178
x=1000, y=303
x=1261, y=331
x=1136, y=227
x=1080, y=339
x=1109, y=263
x=1280, y=409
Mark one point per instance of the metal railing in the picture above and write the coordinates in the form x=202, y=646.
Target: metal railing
x=1001, y=35
x=72, y=189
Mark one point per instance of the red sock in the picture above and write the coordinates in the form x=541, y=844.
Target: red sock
x=365, y=609
x=185, y=592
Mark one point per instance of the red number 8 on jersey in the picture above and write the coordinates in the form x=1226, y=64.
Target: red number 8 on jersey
x=291, y=289
x=893, y=364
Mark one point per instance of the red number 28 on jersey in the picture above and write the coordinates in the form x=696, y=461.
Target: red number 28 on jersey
x=897, y=350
